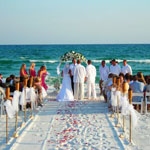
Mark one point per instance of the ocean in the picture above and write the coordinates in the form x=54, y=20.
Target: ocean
x=12, y=56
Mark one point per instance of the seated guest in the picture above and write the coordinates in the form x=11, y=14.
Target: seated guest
x=121, y=76
x=32, y=71
x=146, y=78
x=137, y=87
x=12, y=83
x=23, y=72
x=126, y=68
x=147, y=88
x=141, y=77
x=2, y=91
x=1, y=77
x=8, y=80
x=128, y=78
x=2, y=84
x=37, y=85
x=106, y=90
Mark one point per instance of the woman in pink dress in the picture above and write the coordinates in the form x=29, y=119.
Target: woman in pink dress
x=42, y=73
x=32, y=71
x=23, y=72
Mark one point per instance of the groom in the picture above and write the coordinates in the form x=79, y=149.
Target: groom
x=72, y=67
x=78, y=79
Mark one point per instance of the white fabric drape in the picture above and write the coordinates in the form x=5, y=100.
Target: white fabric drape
x=15, y=101
x=32, y=94
x=44, y=93
x=58, y=70
x=9, y=109
x=113, y=97
x=126, y=108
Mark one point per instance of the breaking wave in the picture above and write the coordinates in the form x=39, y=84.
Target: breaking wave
x=119, y=60
x=95, y=61
x=44, y=61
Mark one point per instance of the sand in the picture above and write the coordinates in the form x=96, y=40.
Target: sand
x=80, y=125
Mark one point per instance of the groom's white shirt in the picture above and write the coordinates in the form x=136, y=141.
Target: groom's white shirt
x=90, y=73
x=79, y=74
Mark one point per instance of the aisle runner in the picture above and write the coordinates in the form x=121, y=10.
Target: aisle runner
x=71, y=125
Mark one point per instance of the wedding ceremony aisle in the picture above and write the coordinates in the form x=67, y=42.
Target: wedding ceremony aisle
x=70, y=125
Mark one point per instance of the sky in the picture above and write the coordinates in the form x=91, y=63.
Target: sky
x=74, y=21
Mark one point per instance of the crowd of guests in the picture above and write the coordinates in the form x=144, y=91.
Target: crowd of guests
x=138, y=83
x=81, y=74
x=38, y=79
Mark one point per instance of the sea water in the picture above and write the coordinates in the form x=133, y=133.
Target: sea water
x=13, y=56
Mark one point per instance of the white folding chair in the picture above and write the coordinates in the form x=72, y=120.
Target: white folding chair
x=139, y=102
x=147, y=94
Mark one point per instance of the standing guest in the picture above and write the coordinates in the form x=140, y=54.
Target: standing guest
x=78, y=79
x=126, y=68
x=32, y=71
x=104, y=71
x=23, y=72
x=91, y=75
x=115, y=68
x=72, y=66
x=42, y=73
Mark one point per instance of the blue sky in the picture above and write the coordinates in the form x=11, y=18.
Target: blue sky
x=74, y=21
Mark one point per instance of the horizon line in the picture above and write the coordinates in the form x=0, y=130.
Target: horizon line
x=82, y=44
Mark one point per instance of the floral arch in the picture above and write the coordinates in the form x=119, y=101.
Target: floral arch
x=68, y=56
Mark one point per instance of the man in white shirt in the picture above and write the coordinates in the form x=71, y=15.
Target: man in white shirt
x=78, y=79
x=115, y=68
x=126, y=68
x=72, y=66
x=91, y=75
x=104, y=71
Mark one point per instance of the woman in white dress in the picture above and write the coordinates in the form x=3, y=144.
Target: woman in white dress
x=65, y=93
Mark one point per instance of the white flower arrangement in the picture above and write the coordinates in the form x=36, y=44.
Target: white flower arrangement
x=67, y=57
x=72, y=54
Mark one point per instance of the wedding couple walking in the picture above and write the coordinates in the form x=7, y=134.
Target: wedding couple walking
x=74, y=76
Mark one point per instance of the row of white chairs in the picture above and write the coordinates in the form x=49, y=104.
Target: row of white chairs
x=144, y=96
x=2, y=107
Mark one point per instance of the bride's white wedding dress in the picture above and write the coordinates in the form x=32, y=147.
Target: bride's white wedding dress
x=65, y=93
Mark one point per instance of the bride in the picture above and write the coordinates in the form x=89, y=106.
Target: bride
x=65, y=93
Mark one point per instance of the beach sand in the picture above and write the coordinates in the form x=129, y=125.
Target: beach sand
x=75, y=125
